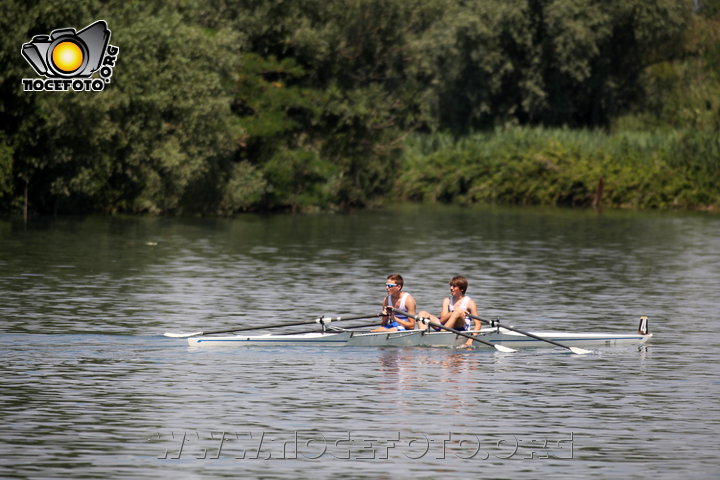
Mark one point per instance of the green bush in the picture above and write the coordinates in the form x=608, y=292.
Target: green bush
x=561, y=167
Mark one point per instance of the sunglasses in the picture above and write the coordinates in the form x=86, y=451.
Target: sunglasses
x=391, y=285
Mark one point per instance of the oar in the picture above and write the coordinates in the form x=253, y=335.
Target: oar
x=349, y=327
x=322, y=319
x=579, y=351
x=500, y=348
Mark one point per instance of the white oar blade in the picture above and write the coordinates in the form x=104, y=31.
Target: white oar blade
x=182, y=335
x=504, y=349
x=579, y=351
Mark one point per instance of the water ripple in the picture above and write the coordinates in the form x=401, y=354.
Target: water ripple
x=92, y=390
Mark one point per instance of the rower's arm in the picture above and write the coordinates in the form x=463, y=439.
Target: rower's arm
x=384, y=319
x=472, y=308
x=445, y=311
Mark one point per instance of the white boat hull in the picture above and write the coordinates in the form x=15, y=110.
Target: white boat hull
x=422, y=338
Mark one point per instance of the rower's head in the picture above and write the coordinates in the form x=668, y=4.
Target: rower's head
x=459, y=282
x=394, y=281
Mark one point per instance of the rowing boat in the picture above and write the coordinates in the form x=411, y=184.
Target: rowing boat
x=424, y=338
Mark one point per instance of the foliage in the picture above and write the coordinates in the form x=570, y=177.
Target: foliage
x=562, y=62
x=563, y=168
x=6, y=174
x=683, y=92
x=218, y=107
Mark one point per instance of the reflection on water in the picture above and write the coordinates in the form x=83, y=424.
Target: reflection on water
x=91, y=388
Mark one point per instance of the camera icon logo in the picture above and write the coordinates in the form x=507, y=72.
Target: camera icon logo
x=66, y=53
x=68, y=59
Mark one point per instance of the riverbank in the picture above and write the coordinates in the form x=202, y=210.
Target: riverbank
x=562, y=167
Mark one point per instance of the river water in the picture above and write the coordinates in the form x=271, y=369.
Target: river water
x=92, y=389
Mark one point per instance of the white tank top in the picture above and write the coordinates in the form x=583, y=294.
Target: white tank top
x=401, y=305
x=469, y=324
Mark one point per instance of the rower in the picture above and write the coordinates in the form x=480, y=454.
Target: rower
x=457, y=309
x=398, y=300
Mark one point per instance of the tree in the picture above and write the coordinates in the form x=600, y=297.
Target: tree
x=154, y=139
x=552, y=62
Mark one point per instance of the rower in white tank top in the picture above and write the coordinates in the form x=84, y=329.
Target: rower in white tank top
x=451, y=312
x=463, y=305
x=398, y=301
x=401, y=306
